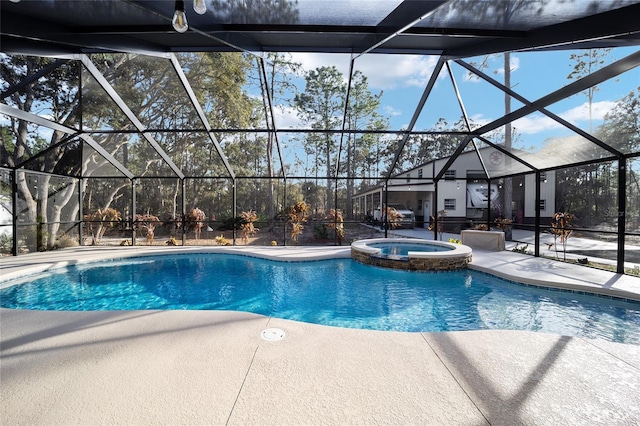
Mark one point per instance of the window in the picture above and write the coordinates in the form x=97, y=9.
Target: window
x=543, y=205
x=450, y=174
x=420, y=203
x=419, y=173
x=449, y=203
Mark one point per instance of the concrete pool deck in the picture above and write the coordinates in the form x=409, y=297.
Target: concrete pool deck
x=213, y=367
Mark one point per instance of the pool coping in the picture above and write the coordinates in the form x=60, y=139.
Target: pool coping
x=504, y=264
x=457, y=250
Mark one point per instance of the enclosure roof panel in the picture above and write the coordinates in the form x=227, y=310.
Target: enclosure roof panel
x=457, y=28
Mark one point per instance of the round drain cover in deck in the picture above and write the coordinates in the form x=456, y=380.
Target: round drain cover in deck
x=272, y=334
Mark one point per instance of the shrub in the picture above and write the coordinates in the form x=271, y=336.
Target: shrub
x=524, y=249
x=298, y=216
x=195, y=221
x=247, y=228
x=6, y=244
x=320, y=232
x=105, y=218
x=67, y=241
x=222, y=241
x=231, y=223
x=562, y=228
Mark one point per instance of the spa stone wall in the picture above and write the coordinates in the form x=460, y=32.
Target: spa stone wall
x=413, y=264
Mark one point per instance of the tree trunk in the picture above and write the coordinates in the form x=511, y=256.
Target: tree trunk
x=64, y=197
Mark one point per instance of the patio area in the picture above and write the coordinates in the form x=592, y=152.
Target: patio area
x=213, y=367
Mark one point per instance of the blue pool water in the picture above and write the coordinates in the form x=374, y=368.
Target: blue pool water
x=338, y=292
x=403, y=249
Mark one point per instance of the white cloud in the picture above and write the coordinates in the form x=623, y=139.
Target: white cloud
x=581, y=113
x=286, y=117
x=391, y=111
x=391, y=71
x=382, y=71
x=577, y=116
x=535, y=123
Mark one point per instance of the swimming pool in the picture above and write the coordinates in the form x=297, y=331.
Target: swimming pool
x=338, y=292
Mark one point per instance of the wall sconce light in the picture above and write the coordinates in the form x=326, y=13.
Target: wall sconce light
x=520, y=184
x=457, y=185
x=179, y=20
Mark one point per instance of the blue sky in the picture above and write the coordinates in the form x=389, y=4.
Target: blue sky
x=402, y=79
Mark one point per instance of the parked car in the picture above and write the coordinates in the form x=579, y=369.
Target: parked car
x=408, y=219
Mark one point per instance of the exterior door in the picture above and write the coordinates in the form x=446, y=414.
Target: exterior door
x=426, y=210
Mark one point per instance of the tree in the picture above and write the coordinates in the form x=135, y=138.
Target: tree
x=58, y=97
x=321, y=106
x=621, y=130
x=148, y=86
x=280, y=67
x=336, y=222
x=362, y=114
x=621, y=125
x=585, y=63
x=431, y=146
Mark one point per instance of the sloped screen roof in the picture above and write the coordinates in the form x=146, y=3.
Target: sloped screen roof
x=458, y=28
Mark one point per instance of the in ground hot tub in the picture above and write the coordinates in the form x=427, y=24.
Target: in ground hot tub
x=411, y=254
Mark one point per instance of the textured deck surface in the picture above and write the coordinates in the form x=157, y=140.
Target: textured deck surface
x=212, y=367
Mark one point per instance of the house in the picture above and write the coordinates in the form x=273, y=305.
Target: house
x=465, y=193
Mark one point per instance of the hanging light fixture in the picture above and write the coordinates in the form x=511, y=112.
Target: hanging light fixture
x=179, y=20
x=200, y=6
